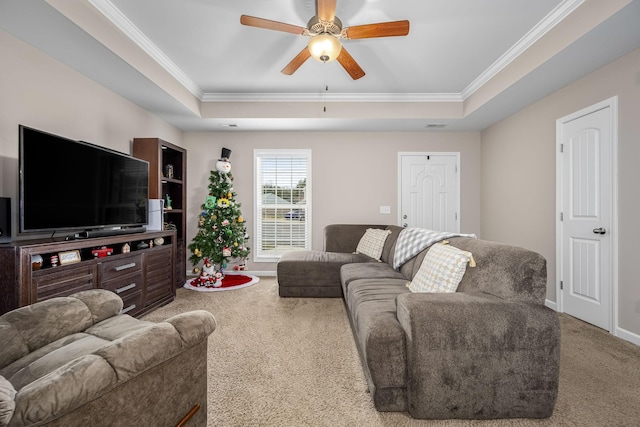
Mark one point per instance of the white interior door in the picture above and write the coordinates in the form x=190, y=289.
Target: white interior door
x=429, y=191
x=586, y=195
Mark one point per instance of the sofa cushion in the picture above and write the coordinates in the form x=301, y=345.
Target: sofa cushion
x=28, y=328
x=507, y=272
x=344, y=238
x=55, y=358
x=117, y=327
x=11, y=369
x=381, y=339
x=372, y=270
x=101, y=303
x=441, y=270
x=372, y=243
x=32, y=324
x=390, y=244
x=7, y=403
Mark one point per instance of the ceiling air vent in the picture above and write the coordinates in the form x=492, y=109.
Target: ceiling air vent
x=436, y=126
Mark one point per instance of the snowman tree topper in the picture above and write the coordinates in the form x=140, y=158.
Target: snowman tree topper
x=223, y=165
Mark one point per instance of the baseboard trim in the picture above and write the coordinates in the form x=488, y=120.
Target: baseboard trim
x=262, y=273
x=627, y=335
x=551, y=304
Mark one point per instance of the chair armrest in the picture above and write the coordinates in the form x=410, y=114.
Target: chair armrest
x=193, y=326
x=477, y=356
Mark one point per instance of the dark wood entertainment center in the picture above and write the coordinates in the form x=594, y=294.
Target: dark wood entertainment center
x=143, y=277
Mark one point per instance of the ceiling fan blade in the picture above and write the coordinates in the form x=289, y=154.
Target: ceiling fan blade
x=350, y=64
x=296, y=62
x=252, y=21
x=382, y=29
x=327, y=9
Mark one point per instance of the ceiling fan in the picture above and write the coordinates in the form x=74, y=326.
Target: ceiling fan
x=325, y=31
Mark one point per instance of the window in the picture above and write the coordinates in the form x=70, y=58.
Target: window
x=282, y=201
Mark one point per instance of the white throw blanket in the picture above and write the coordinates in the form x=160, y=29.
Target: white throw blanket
x=412, y=241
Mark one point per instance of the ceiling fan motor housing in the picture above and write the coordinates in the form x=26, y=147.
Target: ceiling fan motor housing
x=318, y=26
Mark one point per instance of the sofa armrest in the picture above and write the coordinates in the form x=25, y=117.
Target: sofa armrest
x=344, y=238
x=476, y=356
x=193, y=326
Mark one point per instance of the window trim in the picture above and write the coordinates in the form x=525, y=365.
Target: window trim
x=258, y=256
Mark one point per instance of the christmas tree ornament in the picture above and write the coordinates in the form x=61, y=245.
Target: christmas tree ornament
x=225, y=222
x=210, y=202
x=240, y=219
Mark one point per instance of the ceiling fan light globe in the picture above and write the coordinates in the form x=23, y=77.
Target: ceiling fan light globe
x=324, y=47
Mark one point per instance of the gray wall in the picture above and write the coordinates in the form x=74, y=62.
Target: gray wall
x=519, y=185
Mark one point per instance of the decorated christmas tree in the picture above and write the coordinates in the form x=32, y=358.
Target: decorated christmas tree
x=222, y=233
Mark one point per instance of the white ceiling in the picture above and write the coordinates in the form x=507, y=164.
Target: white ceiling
x=193, y=63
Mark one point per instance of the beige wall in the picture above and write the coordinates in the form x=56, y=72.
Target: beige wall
x=518, y=175
x=353, y=173
x=40, y=92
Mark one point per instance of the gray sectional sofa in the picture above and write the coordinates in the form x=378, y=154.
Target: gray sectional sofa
x=489, y=350
x=76, y=361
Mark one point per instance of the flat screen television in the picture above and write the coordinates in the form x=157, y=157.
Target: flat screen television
x=67, y=185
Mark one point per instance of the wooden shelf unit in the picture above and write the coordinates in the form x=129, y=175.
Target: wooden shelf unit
x=143, y=277
x=159, y=154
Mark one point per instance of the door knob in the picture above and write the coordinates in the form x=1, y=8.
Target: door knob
x=599, y=230
x=404, y=217
x=405, y=225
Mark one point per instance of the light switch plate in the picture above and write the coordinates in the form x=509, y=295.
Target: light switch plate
x=385, y=209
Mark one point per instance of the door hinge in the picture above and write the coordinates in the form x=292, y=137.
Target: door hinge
x=561, y=285
x=456, y=168
x=562, y=148
x=561, y=216
x=456, y=216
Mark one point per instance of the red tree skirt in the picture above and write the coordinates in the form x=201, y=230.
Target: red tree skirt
x=231, y=281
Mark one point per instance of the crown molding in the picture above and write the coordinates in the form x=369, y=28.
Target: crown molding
x=554, y=17
x=113, y=14
x=332, y=97
x=123, y=23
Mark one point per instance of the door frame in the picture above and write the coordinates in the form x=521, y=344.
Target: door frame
x=456, y=154
x=612, y=104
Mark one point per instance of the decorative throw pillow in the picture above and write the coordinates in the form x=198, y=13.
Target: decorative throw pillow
x=442, y=269
x=372, y=243
x=7, y=404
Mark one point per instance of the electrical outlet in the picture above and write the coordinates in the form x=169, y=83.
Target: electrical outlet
x=385, y=209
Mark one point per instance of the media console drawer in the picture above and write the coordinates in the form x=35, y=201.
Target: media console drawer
x=63, y=281
x=109, y=270
x=125, y=285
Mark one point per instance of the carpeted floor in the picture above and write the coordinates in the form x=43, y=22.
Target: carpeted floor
x=292, y=362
